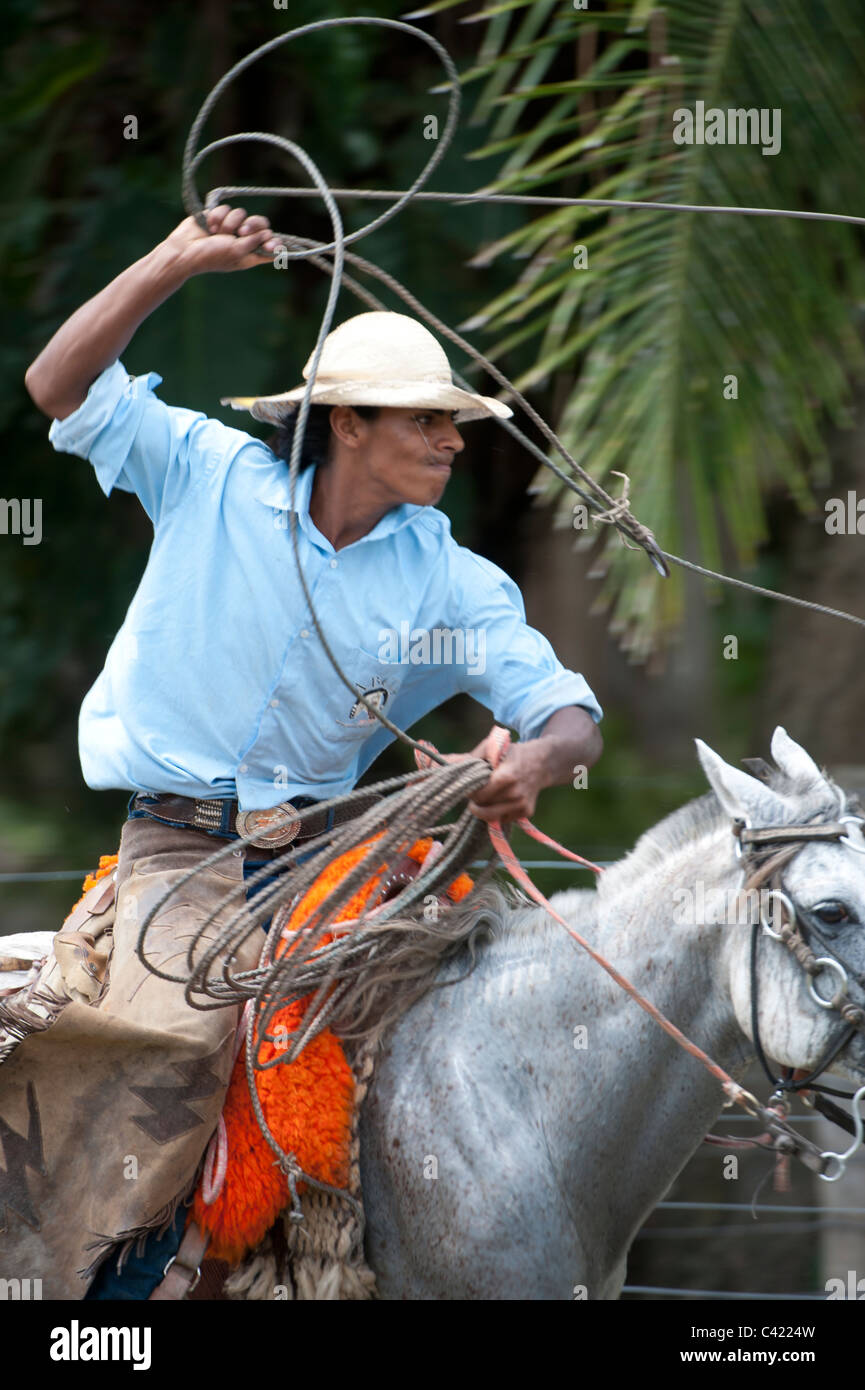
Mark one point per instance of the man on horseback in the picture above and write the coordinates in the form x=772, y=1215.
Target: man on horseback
x=218, y=707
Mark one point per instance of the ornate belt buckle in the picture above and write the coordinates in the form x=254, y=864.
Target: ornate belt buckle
x=256, y=826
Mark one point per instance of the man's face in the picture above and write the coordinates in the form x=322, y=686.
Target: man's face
x=407, y=455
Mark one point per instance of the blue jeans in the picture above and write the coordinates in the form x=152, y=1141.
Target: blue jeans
x=140, y=1273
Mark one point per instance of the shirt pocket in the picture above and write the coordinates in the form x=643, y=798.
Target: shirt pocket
x=379, y=681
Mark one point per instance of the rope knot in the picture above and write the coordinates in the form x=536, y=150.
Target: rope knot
x=619, y=514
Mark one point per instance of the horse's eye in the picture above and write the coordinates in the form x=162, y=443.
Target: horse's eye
x=832, y=913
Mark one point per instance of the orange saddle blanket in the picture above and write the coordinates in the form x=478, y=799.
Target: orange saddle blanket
x=307, y=1104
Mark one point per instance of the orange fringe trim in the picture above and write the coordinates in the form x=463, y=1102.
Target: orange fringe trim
x=307, y=1105
x=107, y=862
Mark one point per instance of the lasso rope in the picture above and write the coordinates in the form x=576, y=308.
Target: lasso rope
x=489, y=195
x=422, y=799
x=613, y=513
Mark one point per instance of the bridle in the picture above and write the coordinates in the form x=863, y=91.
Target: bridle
x=764, y=853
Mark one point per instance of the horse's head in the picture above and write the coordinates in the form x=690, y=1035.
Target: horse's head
x=819, y=892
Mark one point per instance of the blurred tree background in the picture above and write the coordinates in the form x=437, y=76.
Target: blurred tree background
x=82, y=200
x=558, y=101
x=627, y=356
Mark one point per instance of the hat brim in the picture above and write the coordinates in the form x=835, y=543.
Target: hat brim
x=410, y=395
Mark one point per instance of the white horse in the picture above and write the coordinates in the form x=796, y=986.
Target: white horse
x=524, y=1122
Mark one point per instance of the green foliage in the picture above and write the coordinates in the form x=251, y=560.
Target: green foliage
x=670, y=304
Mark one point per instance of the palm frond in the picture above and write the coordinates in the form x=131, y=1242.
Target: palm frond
x=672, y=306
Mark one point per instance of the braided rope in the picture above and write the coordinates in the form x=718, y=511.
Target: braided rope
x=484, y=195
x=192, y=157
x=764, y=593
x=614, y=513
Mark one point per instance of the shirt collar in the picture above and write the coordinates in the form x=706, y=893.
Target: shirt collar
x=275, y=491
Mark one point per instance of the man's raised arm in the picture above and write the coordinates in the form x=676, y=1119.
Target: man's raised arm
x=97, y=333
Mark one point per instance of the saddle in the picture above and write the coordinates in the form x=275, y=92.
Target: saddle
x=40, y=975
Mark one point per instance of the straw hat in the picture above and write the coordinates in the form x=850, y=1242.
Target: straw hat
x=378, y=359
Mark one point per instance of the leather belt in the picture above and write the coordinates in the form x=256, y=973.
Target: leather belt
x=276, y=827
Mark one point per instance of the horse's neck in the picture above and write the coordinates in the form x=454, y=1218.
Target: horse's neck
x=655, y=925
x=648, y=1102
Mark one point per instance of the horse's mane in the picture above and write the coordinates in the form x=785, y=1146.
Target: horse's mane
x=693, y=821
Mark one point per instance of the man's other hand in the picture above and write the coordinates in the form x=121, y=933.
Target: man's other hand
x=512, y=792
x=570, y=738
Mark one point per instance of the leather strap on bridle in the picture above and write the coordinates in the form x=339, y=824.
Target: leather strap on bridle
x=785, y=834
x=755, y=849
x=834, y=1047
x=769, y=871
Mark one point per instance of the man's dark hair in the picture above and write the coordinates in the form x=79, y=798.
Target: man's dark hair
x=317, y=436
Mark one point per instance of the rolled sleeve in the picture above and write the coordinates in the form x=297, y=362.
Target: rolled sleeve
x=522, y=681
x=137, y=443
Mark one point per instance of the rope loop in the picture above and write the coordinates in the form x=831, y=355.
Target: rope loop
x=191, y=159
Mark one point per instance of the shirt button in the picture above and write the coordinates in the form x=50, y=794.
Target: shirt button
x=274, y=704
x=243, y=767
x=304, y=632
x=333, y=564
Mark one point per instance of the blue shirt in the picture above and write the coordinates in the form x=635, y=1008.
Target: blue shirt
x=217, y=684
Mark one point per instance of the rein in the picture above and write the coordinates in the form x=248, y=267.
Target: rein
x=733, y=1090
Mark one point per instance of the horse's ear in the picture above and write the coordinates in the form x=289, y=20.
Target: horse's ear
x=793, y=760
x=738, y=792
